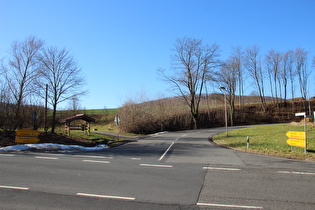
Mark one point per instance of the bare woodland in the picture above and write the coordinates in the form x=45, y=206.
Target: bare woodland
x=196, y=68
x=25, y=73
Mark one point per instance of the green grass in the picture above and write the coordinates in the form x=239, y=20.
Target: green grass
x=270, y=140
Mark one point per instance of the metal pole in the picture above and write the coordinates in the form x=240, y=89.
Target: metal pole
x=305, y=133
x=45, y=120
x=226, y=120
x=225, y=110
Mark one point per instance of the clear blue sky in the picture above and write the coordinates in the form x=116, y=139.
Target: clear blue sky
x=120, y=43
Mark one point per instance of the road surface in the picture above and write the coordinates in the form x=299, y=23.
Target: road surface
x=171, y=170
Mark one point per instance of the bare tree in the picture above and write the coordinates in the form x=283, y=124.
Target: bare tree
x=21, y=72
x=273, y=64
x=237, y=59
x=302, y=71
x=64, y=78
x=287, y=73
x=193, y=63
x=253, y=66
x=228, y=78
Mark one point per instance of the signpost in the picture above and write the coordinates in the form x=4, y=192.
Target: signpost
x=298, y=138
x=296, y=142
x=26, y=136
x=296, y=135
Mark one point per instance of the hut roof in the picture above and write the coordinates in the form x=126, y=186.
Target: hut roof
x=78, y=117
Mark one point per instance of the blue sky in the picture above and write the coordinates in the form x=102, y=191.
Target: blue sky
x=120, y=44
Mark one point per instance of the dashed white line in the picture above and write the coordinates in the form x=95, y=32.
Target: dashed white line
x=135, y=158
x=154, y=165
x=7, y=155
x=296, y=172
x=96, y=157
x=14, y=187
x=95, y=161
x=229, y=206
x=105, y=196
x=47, y=158
x=223, y=169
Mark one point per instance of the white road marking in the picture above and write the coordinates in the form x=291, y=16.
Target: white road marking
x=296, y=172
x=47, y=158
x=95, y=161
x=135, y=158
x=97, y=157
x=166, y=151
x=223, y=169
x=105, y=196
x=229, y=206
x=153, y=165
x=14, y=187
x=7, y=155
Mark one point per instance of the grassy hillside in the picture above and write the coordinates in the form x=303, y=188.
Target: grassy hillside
x=270, y=140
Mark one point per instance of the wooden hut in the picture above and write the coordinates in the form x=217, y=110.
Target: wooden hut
x=78, y=122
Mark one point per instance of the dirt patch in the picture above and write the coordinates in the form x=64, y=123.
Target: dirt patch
x=8, y=139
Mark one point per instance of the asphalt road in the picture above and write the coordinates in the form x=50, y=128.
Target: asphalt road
x=177, y=170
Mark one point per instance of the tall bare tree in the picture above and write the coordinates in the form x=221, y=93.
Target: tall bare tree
x=193, y=65
x=64, y=78
x=21, y=72
x=301, y=57
x=253, y=66
x=287, y=73
x=228, y=78
x=273, y=64
x=237, y=59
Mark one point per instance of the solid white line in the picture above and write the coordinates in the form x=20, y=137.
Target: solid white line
x=229, y=206
x=296, y=172
x=167, y=150
x=47, y=158
x=95, y=161
x=153, y=165
x=223, y=169
x=105, y=196
x=14, y=187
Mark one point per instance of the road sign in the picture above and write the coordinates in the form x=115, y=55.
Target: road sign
x=296, y=135
x=26, y=136
x=26, y=139
x=296, y=142
x=300, y=114
x=24, y=132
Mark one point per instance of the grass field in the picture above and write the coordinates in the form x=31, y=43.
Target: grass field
x=269, y=140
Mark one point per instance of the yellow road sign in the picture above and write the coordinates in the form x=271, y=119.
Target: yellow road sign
x=296, y=142
x=26, y=136
x=26, y=139
x=296, y=135
x=24, y=132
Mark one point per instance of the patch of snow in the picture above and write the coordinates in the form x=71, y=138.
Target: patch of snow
x=49, y=147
